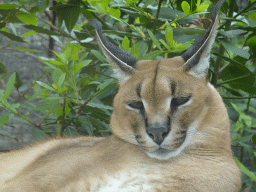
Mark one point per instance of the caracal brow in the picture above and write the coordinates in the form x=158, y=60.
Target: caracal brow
x=171, y=133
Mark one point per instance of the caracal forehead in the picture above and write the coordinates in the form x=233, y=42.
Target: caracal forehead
x=162, y=78
x=171, y=63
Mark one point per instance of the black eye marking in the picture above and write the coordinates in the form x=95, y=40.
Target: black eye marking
x=138, y=90
x=136, y=105
x=173, y=87
x=179, y=101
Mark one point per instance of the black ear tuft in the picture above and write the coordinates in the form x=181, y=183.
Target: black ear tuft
x=197, y=56
x=120, y=54
x=123, y=62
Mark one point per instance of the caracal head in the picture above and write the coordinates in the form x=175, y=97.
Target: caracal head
x=160, y=103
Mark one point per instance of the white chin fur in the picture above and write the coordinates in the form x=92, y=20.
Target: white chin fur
x=165, y=154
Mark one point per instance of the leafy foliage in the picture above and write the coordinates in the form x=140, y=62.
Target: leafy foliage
x=77, y=98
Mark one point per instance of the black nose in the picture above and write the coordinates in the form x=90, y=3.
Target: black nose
x=158, y=133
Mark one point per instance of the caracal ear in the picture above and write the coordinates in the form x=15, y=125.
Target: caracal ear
x=122, y=61
x=198, y=55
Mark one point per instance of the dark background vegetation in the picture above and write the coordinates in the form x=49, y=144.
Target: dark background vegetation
x=63, y=85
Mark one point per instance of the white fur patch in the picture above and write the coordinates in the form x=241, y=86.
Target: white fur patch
x=121, y=76
x=190, y=139
x=135, y=180
x=187, y=103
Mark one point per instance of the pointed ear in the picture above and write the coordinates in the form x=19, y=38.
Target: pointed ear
x=198, y=55
x=123, y=62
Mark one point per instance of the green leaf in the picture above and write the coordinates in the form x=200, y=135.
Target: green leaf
x=232, y=61
x=86, y=14
x=61, y=80
x=39, y=135
x=233, y=33
x=71, y=131
x=42, y=30
x=68, y=13
x=165, y=44
x=169, y=14
x=2, y=26
x=153, y=38
x=88, y=126
x=135, y=51
x=12, y=36
x=15, y=105
x=44, y=6
x=235, y=49
x=37, y=93
x=114, y=12
x=3, y=71
x=121, y=33
x=142, y=48
x=67, y=108
x=27, y=18
x=54, y=102
x=191, y=31
x=251, y=42
x=198, y=2
x=57, y=63
x=151, y=55
x=18, y=82
x=28, y=33
x=169, y=35
x=147, y=3
x=103, y=6
x=105, y=84
x=45, y=86
x=25, y=49
x=245, y=170
x=185, y=7
x=126, y=44
x=58, y=112
x=203, y=6
x=237, y=76
x=232, y=112
x=1, y=95
x=62, y=89
x=61, y=56
x=5, y=118
x=99, y=106
x=98, y=55
x=56, y=75
x=131, y=1
x=75, y=50
x=81, y=65
x=9, y=86
x=8, y=6
x=34, y=9
x=252, y=16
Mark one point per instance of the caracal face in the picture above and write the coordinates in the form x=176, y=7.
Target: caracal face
x=159, y=96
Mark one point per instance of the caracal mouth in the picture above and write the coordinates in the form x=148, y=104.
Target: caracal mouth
x=163, y=153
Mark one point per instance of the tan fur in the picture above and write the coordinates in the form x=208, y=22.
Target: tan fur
x=118, y=161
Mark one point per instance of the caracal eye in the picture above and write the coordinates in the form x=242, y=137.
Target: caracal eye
x=136, y=105
x=180, y=101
